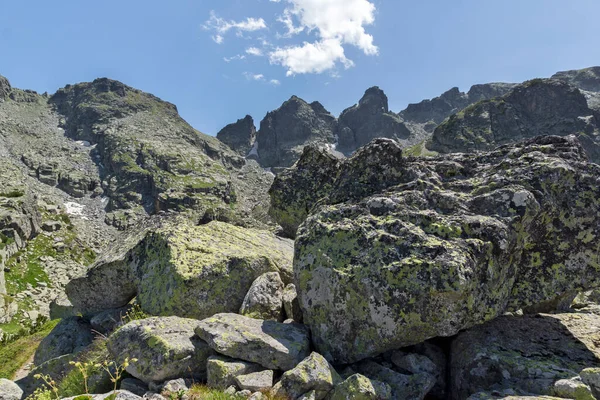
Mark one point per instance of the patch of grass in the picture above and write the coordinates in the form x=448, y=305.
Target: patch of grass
x=92, y=358
x=202, y=392
x=14, y=355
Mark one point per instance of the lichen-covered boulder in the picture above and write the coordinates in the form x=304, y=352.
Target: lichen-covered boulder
x=296, y=190
x=272, y=344
x=528, y=354
x=404, y=387
x=71, y=335
x=185, y=270
x=406, y=249
x=264, y=299
x=573, y=388
x=8, y=389
x=313, y=373
x=221, y=371
x=165, y=348
x=359, y=387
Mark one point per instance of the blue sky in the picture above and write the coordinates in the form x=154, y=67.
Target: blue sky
x=411, y=49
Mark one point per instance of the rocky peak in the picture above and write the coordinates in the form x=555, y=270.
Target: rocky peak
x=368, y=119
x=374, y=100
x=284, y=132
x=5, y=88
x=239, y=136
x=585, y=79
x=488, y=90
x=536, y=107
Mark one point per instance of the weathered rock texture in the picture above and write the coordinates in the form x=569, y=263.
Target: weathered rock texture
x=284, y=132
x=527, y=354
x=367, y=120
x=165, y=348
x=537, y=107
x=184, y=270
x=239, y=136
x=273, y=345
x=406, y=249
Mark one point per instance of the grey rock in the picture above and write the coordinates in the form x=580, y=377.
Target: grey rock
x=586, y=79
x=175, y=386
x=284, y=132
x=8, y=389
x=527, y=353
x=255, y=381
x=271, y=344
x=71, y=335
x=165, y=348
x=61, y=307
x=415, y=386
x=264, y=299
x=313, y=373
x=360, y=255
x=572, y=388
x=359, y=387
x=367, y=120
x=221, y=371
x=5, y=88
x=291, y=304
x=239, y=136
x=108, y=320
x=591, y=377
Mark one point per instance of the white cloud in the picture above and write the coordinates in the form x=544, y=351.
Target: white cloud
x=336, y=23
x=254, y=51
x=236, y=57
x=221, y=26
x=315, y=57
x=275, y=82
x=254, y=77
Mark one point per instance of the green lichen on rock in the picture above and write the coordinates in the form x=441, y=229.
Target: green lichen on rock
x=408, y=249
x=177, y=268
x=360, y=387
x=165, y=348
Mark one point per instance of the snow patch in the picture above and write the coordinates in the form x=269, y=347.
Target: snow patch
x=254, y=150
x=75, y=209
x=83, y=143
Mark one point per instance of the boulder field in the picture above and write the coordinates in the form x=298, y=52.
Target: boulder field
x=462, y=276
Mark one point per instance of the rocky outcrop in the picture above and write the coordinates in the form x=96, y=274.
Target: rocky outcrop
x=295, y=191
x=369, y=119
x=402, y=250
x=452, y=101
x=5, y=88
x=587, y=79
x=537, y=107
x=273, y=345
x=165, y=348
x=239, y=136
x=527, y=354
x=181, y=269
x=284, y=132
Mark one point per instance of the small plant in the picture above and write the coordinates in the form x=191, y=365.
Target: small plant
x=133, y=314
x=115, y=371
x=49, y=383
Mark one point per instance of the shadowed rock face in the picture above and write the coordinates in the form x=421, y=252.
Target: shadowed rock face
x=4, y=88
x=369, y=119
x=538, y=107
x=587, y=79
x=285, y=131
x=239, y=136
x=400, y=249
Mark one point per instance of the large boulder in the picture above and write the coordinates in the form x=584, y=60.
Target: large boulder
x=165, y=348
x=273, y=345
x=367, y=120
x=295, y=190
x=184, y=270
x=284, y=132
x=408, y=249
x=528, y=354
x=264, y=299
x=403, y=386
x=71, y=335
x=536, y=107
x=239, y=136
